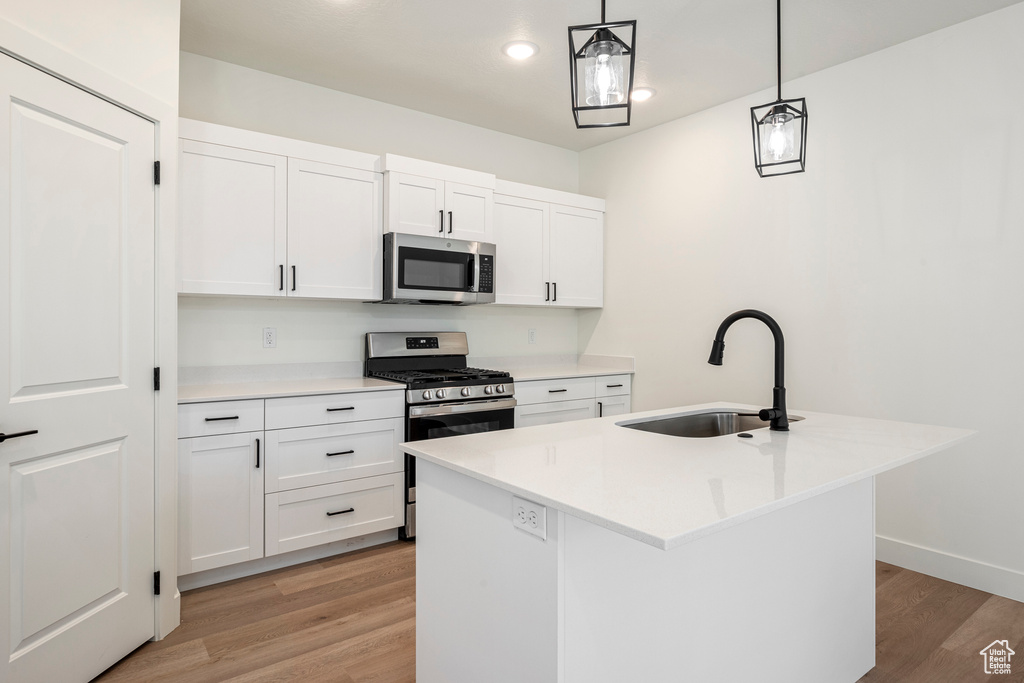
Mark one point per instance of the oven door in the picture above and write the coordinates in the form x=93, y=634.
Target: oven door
x=452, y=419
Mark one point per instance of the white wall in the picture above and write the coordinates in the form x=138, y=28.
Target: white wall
x=232, y=95
x=216, y=331
x=893, y=266
x=133, y=40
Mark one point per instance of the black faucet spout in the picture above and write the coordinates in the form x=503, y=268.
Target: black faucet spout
x=777, y=413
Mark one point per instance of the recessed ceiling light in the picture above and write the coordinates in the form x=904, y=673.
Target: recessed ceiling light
x=643, y=94
x=520, y=49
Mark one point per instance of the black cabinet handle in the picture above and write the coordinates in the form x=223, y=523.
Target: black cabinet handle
x=600, y=409
x=554, y=291
x=219, y=419
x=557, y=391
x=450, y=222
x=281, y=286
x=547, y=291
x=293, y=278
x=441, y=229
x=340, y=512
x=4, y=437
x=613, y=386
x=334, y=410
x=257, y=453
x=341, y=453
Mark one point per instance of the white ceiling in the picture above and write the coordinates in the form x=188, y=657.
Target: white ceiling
x=444, y=57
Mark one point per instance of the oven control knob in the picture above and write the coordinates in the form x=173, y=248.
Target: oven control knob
x=500, y=388
x=441, y=393
x=488, y=390
x=427, y=395
x=465, y=391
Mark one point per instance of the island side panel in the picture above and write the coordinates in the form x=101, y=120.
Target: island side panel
x=486, y=593
x=788, y=597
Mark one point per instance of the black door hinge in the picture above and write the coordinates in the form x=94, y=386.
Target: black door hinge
x=156, y=172
x=156, y=583
x=156, y=379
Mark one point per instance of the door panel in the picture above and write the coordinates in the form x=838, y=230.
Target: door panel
x=469, y=211
x=334, y=231
x=521, y=233
x=577, y=257
x=76, y=357
x=415, y=204
x=232, y=220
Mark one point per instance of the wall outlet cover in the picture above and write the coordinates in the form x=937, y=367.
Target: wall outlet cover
x=269, y=337
x=531, y=336
x=530, y=517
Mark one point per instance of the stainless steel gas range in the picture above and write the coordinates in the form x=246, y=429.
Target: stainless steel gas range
x=443, y=397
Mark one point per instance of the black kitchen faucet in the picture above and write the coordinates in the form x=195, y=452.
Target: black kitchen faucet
x=777, y=413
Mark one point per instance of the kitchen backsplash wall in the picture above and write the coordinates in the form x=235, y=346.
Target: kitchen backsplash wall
x=218, y=331
x=231, y=95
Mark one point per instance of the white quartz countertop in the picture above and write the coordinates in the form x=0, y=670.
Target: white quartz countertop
x=666, y=490
x=199, y=393
x=541, y=372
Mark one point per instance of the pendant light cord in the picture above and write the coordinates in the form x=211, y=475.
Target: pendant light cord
x=778, y=41
x=602, y=10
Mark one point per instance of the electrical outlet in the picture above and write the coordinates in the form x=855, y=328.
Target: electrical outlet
x=269, y=337
x=530, y=517
x=532, y=336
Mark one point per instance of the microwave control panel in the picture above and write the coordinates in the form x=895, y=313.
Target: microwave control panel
x=486, y=283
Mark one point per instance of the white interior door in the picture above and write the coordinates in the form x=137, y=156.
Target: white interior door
x=232, y=222
x=415, y=205
x=335, y=246
x=521, y=234
x=577, y=257
x=76, y=360
x=469, y=212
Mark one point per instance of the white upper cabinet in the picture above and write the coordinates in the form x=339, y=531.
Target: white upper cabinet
x=334, y=231
x=424, y=198
x=269, y=216
x=232, y=220
x=550, y=253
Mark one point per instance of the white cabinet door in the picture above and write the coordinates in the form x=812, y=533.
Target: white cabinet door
x=220, y=500
x=613, y=405
x=232, y=220
x=551, y=413
x=76, y=355
x=415, y=205
x=521, y=233
x=577, y=257
x=334, y=231
x=469, y=212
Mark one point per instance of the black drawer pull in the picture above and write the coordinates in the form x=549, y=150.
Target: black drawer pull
x=4, y=437
x=334, y=410
x=341, y=453
x=340, y=512
x=557, y=391
x=613, y=386
x=257, y=453
x=219, y=419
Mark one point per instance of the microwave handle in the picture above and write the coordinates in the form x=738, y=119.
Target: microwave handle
x=474, y=271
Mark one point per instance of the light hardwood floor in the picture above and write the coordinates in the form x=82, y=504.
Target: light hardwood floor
x=351, y=619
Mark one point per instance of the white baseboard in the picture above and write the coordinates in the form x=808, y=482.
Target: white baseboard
x=1008, y=583
x=266, y=564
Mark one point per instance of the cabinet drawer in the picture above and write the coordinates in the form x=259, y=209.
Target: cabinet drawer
x=310, y=456
x=551, y=413
x=613, y=385
x=545, y=391
x=304, y=411
x=219, y=417
x=333, y=512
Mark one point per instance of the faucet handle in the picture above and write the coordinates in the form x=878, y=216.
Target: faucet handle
x=767, y=414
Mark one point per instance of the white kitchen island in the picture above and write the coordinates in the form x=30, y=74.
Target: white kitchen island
x=664, y=558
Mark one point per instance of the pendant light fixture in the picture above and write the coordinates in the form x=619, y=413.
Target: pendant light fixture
x=780, y=127
x=602, y=93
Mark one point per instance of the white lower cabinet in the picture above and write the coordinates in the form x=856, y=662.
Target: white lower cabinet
x=306, y=517
x=551, y=413
x=566, y=399
x=220, y=500
x=613, y=405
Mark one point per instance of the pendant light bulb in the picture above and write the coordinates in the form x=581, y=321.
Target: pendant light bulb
x=779, y=137
x=604, y=72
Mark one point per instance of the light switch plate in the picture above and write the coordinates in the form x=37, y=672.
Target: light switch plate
x=529, y=517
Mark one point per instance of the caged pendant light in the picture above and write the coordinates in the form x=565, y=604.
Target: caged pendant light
x=779, y=127
x=602, y=95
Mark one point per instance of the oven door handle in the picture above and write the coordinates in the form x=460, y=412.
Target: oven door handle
x=456, y=408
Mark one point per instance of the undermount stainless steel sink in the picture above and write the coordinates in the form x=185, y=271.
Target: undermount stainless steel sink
x=703, y=425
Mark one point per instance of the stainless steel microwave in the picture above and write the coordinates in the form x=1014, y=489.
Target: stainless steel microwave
x=437, y=270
